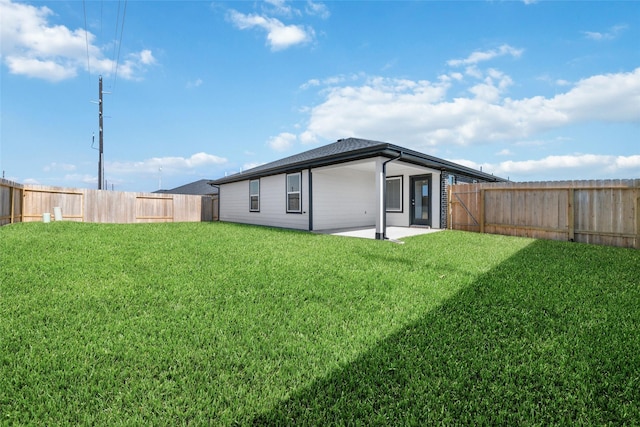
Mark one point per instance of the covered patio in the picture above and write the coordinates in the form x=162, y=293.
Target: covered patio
x=393, y=233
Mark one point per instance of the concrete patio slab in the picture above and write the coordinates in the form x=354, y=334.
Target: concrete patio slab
x=393, y=233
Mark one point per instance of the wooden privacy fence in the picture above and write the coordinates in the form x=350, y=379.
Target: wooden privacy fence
x=210, y=208
x=10, y=202
x=25, y=203
x=605, y=212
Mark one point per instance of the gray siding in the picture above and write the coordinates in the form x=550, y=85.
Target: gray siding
x=234, y=203
x=343, y=197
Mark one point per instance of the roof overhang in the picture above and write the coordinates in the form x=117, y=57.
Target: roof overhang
x=381, y=150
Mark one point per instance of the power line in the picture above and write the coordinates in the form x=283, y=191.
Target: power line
x=115, y=37
x=101, y=10
x=86, y=37
x=124, y=14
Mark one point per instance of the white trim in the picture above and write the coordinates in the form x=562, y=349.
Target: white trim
x=252, y=195
x=298, y=192
x=399, y=208
x=380, y=186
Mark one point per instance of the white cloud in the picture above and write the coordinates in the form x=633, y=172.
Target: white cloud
x=280, y=7
x=473, y=71
x=385, y=108
x=75, y=178
x=553, y=162
x=481, y=56
x=329, y=81
x=629, y=162
x=490, y=89
x=59, y=166
x=37, y=68
x=310, y=83
x=317, y=9
x=419, y=113
x=145, y=57
x=135, y=64
x=283, y=8
x=579, y=166
x=282, y=142
x=606, y=97
x=248, y=166
x=279, y=35
x=195, y=83
x=611, y=34
x=308, y=137
x=504, y=152
x=171, y=165
x=34, y=47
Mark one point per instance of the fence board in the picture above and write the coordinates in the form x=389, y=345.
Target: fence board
x=601, y=212
x=6, y=204
x=10, y=202
x=461, y=217
x=39, y=199
x=29, y=202
x=153, y=208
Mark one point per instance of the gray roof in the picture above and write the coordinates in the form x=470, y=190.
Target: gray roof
x=345, y=150
x=200, y=187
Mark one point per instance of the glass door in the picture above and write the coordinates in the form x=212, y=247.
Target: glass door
x=421, y=200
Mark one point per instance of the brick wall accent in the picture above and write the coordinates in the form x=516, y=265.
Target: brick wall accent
x=444, y=209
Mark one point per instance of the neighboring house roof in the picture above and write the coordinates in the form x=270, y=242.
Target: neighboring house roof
x=345, y=150
x=200, y=187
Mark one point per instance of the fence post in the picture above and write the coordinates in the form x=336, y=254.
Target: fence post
x=637, y=245
x=11, y=203
x=482, y=190
x=449, y=210
x=23, y=193
x=570, y=214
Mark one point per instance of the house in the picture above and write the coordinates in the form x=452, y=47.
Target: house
x=200, y=187
x=350, y=183
x=209, y=208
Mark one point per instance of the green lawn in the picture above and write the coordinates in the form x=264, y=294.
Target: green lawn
x=224, y=324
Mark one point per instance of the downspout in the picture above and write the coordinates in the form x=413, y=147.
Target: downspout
x=310, y=201
x=384, y=198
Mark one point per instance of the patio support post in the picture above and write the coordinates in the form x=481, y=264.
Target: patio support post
x=380, y=209
x=381, y=196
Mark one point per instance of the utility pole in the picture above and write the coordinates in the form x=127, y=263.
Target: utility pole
x=101, y=137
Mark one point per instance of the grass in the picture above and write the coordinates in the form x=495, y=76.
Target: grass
x=228, y=324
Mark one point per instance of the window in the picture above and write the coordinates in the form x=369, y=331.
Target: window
x=254, y=195
x=394, y=194
x=293, y=192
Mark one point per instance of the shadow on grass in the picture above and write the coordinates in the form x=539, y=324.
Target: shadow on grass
x=551, y=336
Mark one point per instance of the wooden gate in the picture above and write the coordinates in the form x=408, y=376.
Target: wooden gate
x=464, y=208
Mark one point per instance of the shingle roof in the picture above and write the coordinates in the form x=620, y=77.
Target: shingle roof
x=200, y=187
x=349, y=149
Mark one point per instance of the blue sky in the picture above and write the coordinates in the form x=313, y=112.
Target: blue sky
x=531, y=90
